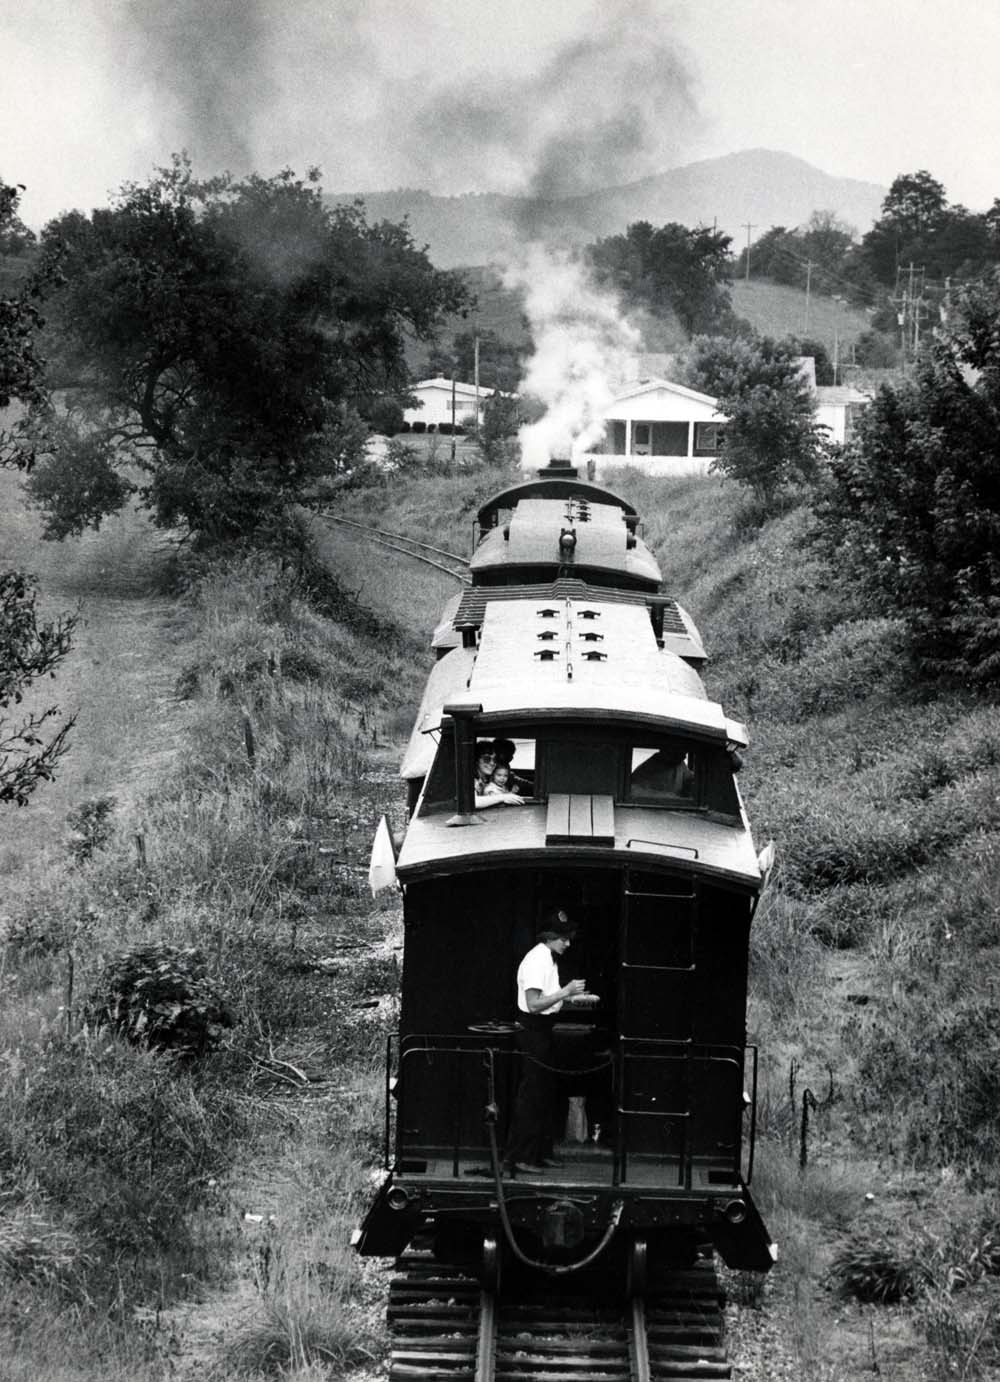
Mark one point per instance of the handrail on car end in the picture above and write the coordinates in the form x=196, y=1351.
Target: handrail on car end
x=661, y=844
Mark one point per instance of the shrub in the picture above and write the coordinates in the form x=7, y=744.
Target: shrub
x=299, y=664
x=91, y=826
x=160, y=996
x=871, y=1267
x=386, y=416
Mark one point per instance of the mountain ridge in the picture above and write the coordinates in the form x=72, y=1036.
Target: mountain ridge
x=764, y=187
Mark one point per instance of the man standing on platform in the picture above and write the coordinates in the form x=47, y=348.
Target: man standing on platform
x=539, y=998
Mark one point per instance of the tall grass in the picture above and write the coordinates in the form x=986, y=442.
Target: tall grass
x=252, y=846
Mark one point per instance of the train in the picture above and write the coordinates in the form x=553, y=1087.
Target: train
x=564, y=647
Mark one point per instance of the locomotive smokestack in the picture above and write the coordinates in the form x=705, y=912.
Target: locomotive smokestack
x=558, y=468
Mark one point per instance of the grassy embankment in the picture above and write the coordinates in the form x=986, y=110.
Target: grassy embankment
x=125, y=1178
x=242, y=732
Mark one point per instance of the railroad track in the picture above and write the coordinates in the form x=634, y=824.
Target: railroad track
x=448, y=562
x=446, y=1327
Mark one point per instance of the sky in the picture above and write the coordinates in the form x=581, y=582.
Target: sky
x=543, y=97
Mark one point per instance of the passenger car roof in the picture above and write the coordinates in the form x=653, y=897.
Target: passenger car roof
x=534, y=665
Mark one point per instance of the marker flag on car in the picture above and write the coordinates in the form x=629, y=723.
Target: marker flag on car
x=382, y=867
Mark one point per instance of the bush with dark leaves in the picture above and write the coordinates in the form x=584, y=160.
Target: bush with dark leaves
x=162, y=997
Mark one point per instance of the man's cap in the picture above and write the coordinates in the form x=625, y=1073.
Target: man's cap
x=556, y=926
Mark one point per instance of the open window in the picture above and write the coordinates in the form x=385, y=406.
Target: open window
x=664, y=774
x=440, y=789
x=683, y=775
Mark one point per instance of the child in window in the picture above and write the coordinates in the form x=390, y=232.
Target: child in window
x=503, y=781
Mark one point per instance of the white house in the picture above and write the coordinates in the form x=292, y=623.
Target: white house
x=661, y=427
x=440, y=400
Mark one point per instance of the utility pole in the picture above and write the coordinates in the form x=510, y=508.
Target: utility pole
x=809, y=271
x=476, y=372
x=836, y=356
x=453, y=417
x=748, y=227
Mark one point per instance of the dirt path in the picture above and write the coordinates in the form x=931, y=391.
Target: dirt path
x=118, y=679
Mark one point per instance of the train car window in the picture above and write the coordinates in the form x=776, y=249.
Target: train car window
x=683, y=776
x=664, y=775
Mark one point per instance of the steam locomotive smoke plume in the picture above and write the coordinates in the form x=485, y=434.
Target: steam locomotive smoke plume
x=605, y=109
x=581, y=345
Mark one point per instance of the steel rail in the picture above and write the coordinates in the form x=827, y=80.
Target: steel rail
x=448, y=1327
x=391, y=540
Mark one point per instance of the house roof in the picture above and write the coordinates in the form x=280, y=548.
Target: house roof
x=466, y=390
x=654, y=385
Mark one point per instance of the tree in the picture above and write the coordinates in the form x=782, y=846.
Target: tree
x=503, y=417
x=911, y=511
x=827, y=240
x=28, y=648
x=21, y=366
x=914, y=203
x=213, y=338
x=771, y=438
x=918, y=226
x=775, y=255
x=670, y=270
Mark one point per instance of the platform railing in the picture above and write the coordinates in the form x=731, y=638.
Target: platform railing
x=480, y=1072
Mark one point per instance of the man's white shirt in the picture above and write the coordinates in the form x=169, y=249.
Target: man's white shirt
x=538, y=970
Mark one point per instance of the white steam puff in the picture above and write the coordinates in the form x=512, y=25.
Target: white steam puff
x=582, y=345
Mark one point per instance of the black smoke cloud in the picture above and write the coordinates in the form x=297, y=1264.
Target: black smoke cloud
x=606, y=109
x=260, y=84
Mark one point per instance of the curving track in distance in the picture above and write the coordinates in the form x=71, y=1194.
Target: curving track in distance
x=449, y=562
